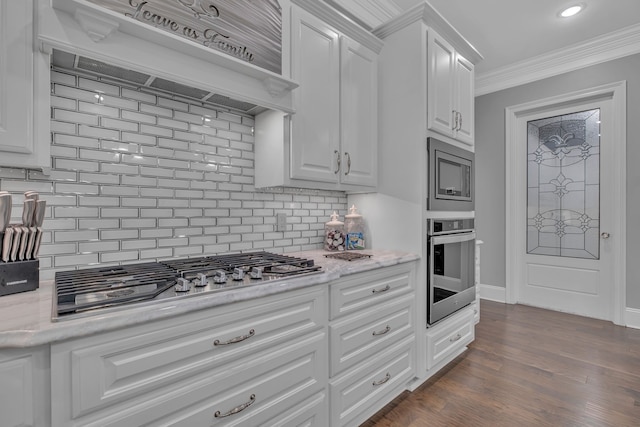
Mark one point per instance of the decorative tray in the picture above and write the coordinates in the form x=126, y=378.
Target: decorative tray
x=347, y=256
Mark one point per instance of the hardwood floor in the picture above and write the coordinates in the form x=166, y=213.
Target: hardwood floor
x=530, y=367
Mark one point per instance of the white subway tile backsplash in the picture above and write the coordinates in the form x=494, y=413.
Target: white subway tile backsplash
x=100, y=87
x=138, y=138
x=78, y=165
x=119, y=213
x=98, y=201
x=97, y=132
x=155, y=130
x=137, y=94
x=119, y=168
x=98, y=224
x=118, y=190
x=120, y=234
x=139, y=175
x=155, y=110
x=99, y=109
x=119, y=256
x=102, y=156
x=139, y=223
x=139, y=117
x=122, y=125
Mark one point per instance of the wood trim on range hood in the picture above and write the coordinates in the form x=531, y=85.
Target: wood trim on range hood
x=82, y=28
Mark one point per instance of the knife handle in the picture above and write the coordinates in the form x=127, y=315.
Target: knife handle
x=30, y=243
x=15, y=244
x=6, y=244
x=36, y=247
x=23, y=244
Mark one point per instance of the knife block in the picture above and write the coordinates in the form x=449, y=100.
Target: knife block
x=19, y=276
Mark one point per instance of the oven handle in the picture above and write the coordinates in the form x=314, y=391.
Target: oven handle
x=455, y=238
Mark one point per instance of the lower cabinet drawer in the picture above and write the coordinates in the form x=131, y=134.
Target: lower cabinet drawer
x=449, y=336
x=356, y=337
x=104, y=370
x=363, y=391
x=282, y=387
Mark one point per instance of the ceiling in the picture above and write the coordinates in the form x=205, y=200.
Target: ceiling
x=509, y=32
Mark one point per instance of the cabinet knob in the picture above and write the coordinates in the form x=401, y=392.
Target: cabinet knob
x=605, y=235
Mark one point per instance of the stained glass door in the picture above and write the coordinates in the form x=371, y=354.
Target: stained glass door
x=563, y=185
x=564, y=177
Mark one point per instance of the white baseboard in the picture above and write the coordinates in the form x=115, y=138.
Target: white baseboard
x=499, y=294
x=493, y=293
x=632, y=318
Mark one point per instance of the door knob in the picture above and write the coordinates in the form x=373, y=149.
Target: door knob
x=605, y=235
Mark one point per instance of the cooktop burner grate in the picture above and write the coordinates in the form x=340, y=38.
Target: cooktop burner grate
x=270, y=263
x=79, y=291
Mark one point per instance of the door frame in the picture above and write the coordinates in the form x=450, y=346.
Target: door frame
x=515, y=208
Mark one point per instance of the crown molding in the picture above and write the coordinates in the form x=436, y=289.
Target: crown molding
x=614, y=45
x=425, y=13
x=341, y=22
x=371, y=13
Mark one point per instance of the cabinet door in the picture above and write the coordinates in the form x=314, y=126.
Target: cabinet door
x=359, y=113
x=24, y=399
x=315, y=131
x=464, y=99
x=440, y=85
x=24, y=92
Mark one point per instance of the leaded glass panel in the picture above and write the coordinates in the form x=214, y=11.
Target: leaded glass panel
x=563, y=185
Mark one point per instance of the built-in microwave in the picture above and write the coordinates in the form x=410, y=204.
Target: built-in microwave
x=451, y=183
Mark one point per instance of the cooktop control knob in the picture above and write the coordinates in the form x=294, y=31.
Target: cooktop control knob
x=220, y=277
x=201, y=280
x=238, y=273
x=256, y=273
x=183, y=285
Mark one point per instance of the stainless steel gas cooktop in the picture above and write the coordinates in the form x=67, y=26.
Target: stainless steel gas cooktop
x=89, y=291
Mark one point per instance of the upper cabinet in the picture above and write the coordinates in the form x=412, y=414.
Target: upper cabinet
x=24, y=90
x=330, y=142
x=449, y=91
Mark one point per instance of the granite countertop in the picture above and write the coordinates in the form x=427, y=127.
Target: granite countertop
x=25, y=318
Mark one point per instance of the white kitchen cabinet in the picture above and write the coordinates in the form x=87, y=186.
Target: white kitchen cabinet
x=24, y=388
x=24, y=89
x=247, y=362
x=315, y=127
x=330, y=142
x=450, y=91
x=372, y=336
x=359, y=113
x=449, y=338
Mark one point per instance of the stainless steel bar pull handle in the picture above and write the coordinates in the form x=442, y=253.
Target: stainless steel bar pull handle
x=237, y=409
x=251, y=333
x=382, y=381
x=382, y=332
x=338, y=160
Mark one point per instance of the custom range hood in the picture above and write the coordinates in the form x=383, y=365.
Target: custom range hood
x=180, y=46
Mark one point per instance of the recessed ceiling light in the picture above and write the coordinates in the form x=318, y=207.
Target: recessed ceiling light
x=571, y=10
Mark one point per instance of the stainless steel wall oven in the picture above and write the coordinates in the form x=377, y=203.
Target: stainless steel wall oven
x=451, y=249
